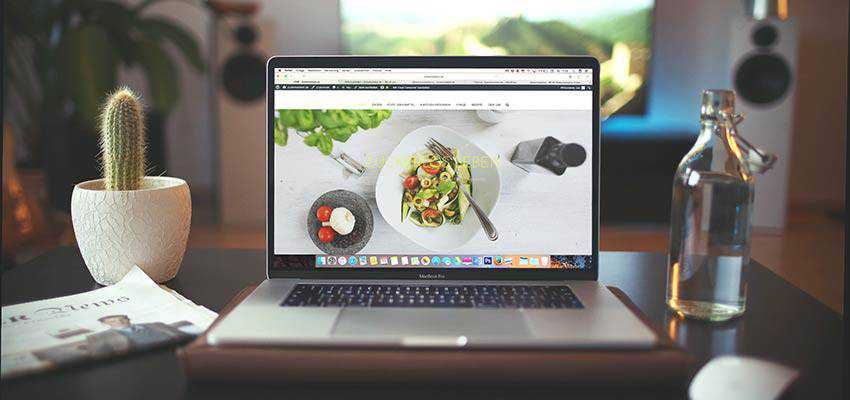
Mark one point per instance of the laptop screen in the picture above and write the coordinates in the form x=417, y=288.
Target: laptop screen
x=395, y=168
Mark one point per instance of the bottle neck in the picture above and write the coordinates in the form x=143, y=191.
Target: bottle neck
x=725, y=154
x=710, y=134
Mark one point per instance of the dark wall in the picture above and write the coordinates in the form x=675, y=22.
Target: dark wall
x=637, y=178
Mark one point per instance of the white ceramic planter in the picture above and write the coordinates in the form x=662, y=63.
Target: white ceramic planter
x=118, y=229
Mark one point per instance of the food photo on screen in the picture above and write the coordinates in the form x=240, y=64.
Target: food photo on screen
x=364, y=181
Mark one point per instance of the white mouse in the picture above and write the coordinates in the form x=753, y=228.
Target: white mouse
x=733, y=378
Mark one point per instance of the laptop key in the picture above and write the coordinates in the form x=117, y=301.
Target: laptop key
x=452, y=296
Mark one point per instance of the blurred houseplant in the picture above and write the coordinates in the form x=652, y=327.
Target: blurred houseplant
x=63, y=56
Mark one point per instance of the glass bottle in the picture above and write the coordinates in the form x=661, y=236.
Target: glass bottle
x=711, y=214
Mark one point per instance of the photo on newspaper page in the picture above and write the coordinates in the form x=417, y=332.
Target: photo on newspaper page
x=132, y=316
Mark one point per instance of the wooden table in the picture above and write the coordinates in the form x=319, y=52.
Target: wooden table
x=782, y=324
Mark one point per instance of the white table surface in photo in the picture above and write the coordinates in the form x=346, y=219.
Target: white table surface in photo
x=536, y=213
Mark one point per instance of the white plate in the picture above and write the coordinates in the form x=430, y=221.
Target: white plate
x=485, y=189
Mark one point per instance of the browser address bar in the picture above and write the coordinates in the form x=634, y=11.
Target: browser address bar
x=392, y=78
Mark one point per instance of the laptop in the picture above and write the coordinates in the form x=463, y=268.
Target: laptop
x=376, y=238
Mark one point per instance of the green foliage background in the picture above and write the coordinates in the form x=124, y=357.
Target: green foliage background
x=67, y=52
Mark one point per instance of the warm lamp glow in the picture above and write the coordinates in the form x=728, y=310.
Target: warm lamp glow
x=782, y=9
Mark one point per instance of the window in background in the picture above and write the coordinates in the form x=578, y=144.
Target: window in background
x=617, y=32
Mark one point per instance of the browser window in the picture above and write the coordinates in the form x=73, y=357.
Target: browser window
x=391, y=167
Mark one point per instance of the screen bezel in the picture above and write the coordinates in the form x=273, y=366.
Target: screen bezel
x=433, y=273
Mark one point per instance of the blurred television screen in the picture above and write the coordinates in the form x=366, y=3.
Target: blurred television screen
x=617, y=32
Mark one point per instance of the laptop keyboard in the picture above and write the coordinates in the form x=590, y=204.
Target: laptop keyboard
x=451, y=296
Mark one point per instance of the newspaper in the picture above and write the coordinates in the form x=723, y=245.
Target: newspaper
x=132, y=315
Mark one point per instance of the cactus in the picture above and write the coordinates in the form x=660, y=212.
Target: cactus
x=123, y=141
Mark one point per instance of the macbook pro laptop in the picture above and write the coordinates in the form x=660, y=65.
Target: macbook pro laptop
x=373, y=234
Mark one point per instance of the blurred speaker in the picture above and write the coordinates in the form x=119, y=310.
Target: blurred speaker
x=243, y=45
x=763, y=59
x=243, y=74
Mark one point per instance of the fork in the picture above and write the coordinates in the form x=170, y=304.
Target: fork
x=443, y=151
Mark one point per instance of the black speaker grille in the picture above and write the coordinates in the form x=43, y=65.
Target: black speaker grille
x=762, y=78
x=244, y=77
x=765, y=35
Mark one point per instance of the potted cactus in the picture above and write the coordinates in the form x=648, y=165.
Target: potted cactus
x=128, y=218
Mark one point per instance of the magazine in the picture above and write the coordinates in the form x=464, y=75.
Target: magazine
x=133, y=315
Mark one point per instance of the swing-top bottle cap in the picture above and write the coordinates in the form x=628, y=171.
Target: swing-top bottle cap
x=716, y=102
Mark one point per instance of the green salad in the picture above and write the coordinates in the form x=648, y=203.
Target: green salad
x=431, y=194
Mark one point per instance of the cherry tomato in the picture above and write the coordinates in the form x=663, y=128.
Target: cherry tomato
x=430, y=213
x=432, y=168
x=411, y=182
x=324, y=213
x=326, y=234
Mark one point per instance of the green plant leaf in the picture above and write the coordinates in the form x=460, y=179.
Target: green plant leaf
x=342, y=133
x=281, y=136
x=328, y=118
x=162, y=75
x=446, y=186
x=304, y=120
x=312, y=139
x=348, y=117
x=325, y=144
x=325, y=126
x=159, y=29
x=286, y=117
x=87, y=68
x=117, y=19
x=379, y=116
x=363, y=118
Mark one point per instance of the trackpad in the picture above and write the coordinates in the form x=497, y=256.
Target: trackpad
x=430, y=322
